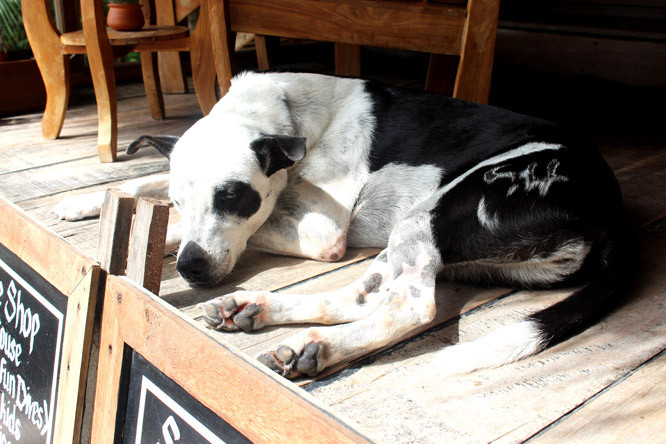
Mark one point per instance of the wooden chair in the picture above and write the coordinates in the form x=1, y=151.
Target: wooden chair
x=51, y=50
x=451, y=30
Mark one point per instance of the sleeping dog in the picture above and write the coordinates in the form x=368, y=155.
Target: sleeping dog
x=308, y=165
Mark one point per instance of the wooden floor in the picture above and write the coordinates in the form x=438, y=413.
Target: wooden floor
x=607, y=384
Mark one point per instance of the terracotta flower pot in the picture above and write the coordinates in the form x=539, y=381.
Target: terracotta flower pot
x=125, y=17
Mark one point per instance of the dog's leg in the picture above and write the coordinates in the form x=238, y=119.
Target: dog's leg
x=395, y=296
x=89, y=205
x=307, y=222
x=252, y=310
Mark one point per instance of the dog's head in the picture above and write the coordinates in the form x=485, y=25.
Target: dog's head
x=225, y=179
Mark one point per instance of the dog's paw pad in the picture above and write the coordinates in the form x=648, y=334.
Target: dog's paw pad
x=286, y=362
x=308, y=361
x=226, y=315
x=246, y=319
x=282, y=361
x=214, y=316
x=271, y=361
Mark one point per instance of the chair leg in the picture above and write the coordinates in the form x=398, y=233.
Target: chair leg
x=53, y=64
x=56, y=82
x=100, y=58
x=204, y=62
x=347, y=60
x=172, y=76
x=476, y=59
x=441, y=73
x=262, y=52
x=151, y=82
x=222, y=40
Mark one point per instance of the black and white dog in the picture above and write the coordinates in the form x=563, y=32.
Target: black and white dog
x=307, y=165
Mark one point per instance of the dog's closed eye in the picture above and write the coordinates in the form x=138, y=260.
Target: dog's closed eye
x=236, y=198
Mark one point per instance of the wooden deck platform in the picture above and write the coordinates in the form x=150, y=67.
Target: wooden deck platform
x=606, y=385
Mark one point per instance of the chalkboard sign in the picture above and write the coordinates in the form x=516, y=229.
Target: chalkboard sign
x=160, y=411
x=32, y=320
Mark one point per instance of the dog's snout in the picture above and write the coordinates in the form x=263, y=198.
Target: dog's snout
x=192, y=262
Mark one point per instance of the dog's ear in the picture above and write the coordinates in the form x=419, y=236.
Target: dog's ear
x=164, y=144
x=277, y=152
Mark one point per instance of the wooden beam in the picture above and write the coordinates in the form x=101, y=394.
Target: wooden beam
x=114, y=231
x=146, y=247
x=418, y=26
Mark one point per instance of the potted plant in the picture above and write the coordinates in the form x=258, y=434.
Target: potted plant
x=125, y=15
x=21, y=85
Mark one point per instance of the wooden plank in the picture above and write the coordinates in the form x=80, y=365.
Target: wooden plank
x=147, y=34
x=114, y=231
x=81, y=173
x=146, y=247
x=79, y=136
x=77, y=339
x=629, y=411
x=643, y=191
x=107, y=387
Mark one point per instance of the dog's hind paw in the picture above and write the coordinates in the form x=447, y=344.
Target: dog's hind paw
x=225, y=314
x=290, y=364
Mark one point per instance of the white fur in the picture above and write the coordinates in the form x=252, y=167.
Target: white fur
x=505, y=345
x=489, y=221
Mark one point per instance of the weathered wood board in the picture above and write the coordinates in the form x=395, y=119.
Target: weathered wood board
x=630, y=410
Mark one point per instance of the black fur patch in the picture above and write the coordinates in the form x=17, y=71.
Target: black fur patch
x=448, y=133
x=236, y=198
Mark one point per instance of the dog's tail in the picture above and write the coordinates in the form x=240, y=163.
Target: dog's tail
x=556, y=323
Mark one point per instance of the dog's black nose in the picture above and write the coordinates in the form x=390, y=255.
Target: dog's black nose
x=192, y=262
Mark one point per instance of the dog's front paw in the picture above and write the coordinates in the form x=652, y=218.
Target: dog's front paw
x=79, y=207
x=287, y=362
x=233, y=313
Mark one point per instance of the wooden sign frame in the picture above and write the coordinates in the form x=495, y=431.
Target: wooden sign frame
x=258, y=404
x=74, y=275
